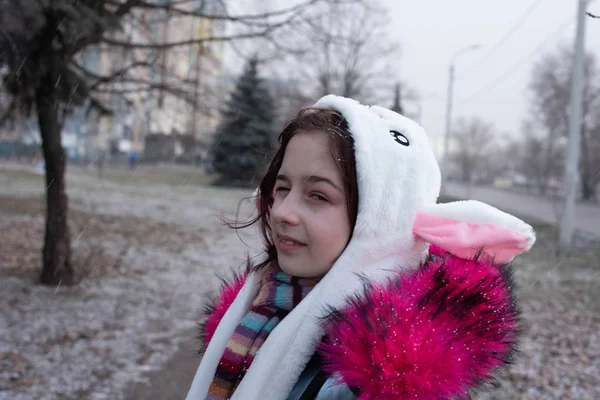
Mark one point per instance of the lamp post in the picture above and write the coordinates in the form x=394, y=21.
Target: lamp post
x=445, y=161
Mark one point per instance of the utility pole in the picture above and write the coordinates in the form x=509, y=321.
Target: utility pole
x=445, y=161
x=448, y=131
x=571, y=173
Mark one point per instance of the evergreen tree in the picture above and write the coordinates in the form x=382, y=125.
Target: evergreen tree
x=242, y=142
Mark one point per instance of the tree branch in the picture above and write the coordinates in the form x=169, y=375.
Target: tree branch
x=97, y=104
x=592, y=15
x=171, y=7
x=118, y=74
x=124, y=8
x=180, y=93
x=7, y=113
x=162, y=46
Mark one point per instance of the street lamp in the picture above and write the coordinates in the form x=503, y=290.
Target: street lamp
x=445, y=161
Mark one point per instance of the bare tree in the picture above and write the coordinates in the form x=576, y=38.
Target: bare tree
x=548, y=119
x=591, y=158
x=350, y=52
x=341, y=48
x=41, y=43
x=540, y=160
x=473, y=139
x=503, y=161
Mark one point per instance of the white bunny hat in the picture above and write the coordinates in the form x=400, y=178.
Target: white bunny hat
x=398, y=218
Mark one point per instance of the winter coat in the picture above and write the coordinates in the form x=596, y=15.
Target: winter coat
x=436, y=332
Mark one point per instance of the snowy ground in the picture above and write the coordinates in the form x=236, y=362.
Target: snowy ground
x=149, y=251
x=149, y=243
x=560, y=344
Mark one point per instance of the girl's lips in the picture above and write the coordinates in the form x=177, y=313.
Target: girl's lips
x=288, y=244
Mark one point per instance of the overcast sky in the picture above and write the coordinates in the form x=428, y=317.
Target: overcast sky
x=430, y=31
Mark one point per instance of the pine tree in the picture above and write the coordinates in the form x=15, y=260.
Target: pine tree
x=242, y=142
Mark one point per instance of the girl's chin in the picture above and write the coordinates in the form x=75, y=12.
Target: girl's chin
x=300, y=271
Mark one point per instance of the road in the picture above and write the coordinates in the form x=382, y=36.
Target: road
x=587, y=217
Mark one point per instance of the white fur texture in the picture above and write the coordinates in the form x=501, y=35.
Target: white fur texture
x=395, y=182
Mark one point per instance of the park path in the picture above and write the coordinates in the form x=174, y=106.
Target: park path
x=174, y=380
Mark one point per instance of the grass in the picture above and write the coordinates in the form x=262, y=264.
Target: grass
x=14, y=174
x=144, y=175
x=22, y=227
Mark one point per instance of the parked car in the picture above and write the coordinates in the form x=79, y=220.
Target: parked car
x=502, y=182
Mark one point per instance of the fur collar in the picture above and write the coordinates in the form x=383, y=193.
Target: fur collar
x=437, y=332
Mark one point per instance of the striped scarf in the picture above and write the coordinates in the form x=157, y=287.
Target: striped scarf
x=278, y=295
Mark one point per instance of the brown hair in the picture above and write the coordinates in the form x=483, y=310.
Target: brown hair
x=312, y=119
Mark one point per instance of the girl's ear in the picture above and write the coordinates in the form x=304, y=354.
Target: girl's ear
x=464, y=228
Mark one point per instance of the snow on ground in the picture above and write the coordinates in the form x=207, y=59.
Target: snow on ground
x=163, y=244
x=155, y=244
x=559, y=347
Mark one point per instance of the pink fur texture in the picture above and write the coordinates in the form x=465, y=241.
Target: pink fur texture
x=433, y=334
x=215, y=312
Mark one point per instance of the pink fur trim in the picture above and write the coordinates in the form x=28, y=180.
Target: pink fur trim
x=216, y=312
x=432, y=334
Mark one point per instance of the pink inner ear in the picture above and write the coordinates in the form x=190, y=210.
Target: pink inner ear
x=464, y=239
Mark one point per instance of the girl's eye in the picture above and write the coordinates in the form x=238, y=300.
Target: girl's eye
x=281, y=189
x=318, y=196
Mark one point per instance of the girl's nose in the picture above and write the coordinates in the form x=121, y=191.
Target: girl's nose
x=286, y=209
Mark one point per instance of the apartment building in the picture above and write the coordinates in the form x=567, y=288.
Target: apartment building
x=195, y=70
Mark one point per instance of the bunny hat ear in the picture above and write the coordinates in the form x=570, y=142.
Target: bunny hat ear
x=464, y=228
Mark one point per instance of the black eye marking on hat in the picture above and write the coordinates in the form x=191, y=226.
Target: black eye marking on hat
x=400, y=138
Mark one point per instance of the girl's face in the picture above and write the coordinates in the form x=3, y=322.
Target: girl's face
x=309, y=217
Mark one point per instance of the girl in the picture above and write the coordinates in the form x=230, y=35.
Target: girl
x=367, y=288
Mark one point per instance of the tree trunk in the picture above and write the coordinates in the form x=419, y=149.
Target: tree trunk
x=588, y=190
x=57, y=268
x=542, y=185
